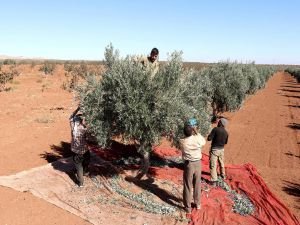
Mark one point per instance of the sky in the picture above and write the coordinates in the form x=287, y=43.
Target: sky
x=264, y=31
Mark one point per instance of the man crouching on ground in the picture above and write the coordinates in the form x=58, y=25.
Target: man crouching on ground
x=81, y=155
x=191, y=147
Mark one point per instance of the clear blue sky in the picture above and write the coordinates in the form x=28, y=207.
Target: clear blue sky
x=208, y=31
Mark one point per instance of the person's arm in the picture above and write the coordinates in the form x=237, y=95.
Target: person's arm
x=202, y=140
x=75, y=112
x=211, y=135
x=72, y=118
x=226, y=139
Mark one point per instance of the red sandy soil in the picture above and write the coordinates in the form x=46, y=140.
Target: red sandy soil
x=34, y=118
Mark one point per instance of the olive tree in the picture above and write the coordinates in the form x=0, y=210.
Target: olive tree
x=131, y=103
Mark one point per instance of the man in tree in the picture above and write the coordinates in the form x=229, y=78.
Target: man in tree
x=151, y=60
x=191, y=147
x=218, y=137
x=81, y=155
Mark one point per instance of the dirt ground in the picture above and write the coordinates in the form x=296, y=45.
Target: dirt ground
x=34, y=118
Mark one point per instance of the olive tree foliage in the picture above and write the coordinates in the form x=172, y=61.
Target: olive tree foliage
x=295, y=72
x=252, y=77
x=265, y=72
x=233, y=81
x=229, y=86
x=132, y=103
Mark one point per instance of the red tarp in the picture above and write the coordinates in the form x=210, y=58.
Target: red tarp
x=216, y=203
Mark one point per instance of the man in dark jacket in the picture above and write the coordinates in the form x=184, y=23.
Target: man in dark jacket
x=218, y=137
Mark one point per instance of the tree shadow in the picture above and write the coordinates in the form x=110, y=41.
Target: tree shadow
x=291, y=82
x=288, y=86
x=156, y=190
x=294, y=126
x=172, y=162
x=61, y=159
x=292, y=189
x=67, y=166
x=97, y=166
x=124, y=150
x=291, y=96
x=58, y=151
x=289, y=90
x=120, y=157
x=293, y=106
x=291, y=154
x=116, y=151
x=127, y=157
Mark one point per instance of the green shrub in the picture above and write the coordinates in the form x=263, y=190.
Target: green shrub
x=48, y=68
x=6, y=77
x=252, y=75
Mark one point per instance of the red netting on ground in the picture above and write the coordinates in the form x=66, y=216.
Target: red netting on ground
x=216, y=203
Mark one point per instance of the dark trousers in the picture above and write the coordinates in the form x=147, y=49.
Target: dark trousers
x=191, y=184
x=81, y=164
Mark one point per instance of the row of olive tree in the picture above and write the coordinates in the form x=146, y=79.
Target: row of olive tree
x=295, y=72
x=233, y=81
x=141, y=108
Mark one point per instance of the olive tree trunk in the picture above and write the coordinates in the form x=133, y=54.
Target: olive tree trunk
x=144, y=149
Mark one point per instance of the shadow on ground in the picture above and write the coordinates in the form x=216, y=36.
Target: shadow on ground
x=156, y=190
x=295, y=126
x=58, y=151
x=289, y=90
x=291, y=154
x=291, y=96
x=292, y=189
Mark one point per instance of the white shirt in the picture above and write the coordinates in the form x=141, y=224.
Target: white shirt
x=191, y=147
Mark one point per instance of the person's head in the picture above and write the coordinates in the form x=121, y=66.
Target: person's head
x=78, y=119
x=214, y=119
x=222, y=122
x=188, y=130
x=153, y=55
